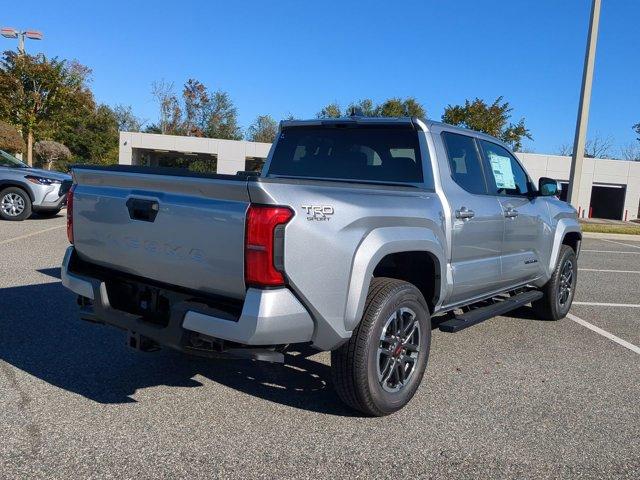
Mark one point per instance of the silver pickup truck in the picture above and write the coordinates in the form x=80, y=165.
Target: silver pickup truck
x=359, y=236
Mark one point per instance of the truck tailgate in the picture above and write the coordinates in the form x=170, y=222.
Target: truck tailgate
x=186, y=231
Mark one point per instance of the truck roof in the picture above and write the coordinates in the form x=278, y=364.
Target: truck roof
x=390, y=121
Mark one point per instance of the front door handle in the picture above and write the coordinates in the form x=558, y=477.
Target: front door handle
x=464, y=213
x=511, y=213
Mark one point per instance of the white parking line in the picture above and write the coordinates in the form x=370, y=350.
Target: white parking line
x=604, y=333
x=620, y=243
x=606, y=271
x=603, y=304
x=607, y=251
x=4, y=242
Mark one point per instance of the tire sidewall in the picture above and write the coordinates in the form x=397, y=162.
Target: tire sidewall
x=561, y=311
x=26, y=213
x=409, y=297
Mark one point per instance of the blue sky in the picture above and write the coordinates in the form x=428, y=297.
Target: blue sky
x=281, y=57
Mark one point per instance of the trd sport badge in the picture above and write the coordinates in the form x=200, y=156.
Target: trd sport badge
x=319, y=213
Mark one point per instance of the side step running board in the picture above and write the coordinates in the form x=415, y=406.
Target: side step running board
x=477, y=315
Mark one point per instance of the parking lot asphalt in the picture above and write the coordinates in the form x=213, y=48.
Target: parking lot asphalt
x=511, y=397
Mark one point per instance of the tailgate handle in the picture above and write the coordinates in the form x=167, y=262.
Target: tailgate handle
x=142, y=209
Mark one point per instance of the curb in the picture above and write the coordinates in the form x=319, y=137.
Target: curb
x=612, y=236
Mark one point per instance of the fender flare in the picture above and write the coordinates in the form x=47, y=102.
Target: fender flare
x=564, y=226
x=17, y=183
x=374, y=247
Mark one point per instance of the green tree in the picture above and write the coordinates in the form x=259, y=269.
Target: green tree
x=330, y=111
x=636, y=128
x=36, y=91
x=10, y=139
x=263, y=129
x=92, y=137
x=127, y=121
x=396, y=107
x=365, y=106
x=222, y=118
x=392, y=107
x=152, y=128
x=491, y=119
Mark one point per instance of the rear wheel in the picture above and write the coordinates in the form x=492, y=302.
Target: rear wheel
x=380, y=368
x=559, y=291
x=15, y=204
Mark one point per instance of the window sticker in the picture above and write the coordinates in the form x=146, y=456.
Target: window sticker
x=502, y=171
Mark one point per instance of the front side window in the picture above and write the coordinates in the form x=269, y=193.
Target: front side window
x=376, y=153
x=507, y=176
x=466, y=167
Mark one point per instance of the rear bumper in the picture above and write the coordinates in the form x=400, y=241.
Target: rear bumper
x=268, y=317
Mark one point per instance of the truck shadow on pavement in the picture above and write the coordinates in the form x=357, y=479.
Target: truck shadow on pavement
x=40, y=333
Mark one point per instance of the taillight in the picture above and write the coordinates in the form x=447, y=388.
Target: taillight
x=70, y=213
x=264, y=241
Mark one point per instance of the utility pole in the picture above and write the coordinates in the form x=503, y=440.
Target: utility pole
x=580, y=139
x=9, y=32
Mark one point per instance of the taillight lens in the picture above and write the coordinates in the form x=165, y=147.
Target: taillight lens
x=70, y=213
x=261, y=246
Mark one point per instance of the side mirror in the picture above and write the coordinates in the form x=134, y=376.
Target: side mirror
x=548, y=187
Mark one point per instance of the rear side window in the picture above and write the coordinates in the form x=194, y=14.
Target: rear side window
x=360, y=153
x=465, y=163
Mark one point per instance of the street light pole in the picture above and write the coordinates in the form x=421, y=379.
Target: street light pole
x=21, y=43
x=580, y=139
x=9, y=32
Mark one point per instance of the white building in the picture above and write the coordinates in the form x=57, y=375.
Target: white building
x=228, y=156
x=609, y=188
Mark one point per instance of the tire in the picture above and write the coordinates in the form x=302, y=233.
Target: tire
x=358, y=365
x=556, y=301
x=15, y=204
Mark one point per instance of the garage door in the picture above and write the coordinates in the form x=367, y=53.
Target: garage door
x=607, y=201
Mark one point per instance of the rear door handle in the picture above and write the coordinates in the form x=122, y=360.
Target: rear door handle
x=464, y=213
x=511, y=213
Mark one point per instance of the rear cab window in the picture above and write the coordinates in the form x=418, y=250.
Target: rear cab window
x=359, y=153
x=465, y=162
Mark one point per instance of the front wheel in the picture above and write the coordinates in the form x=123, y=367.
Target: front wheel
x=559, y=291
x=15, y=204
x=381, y=366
